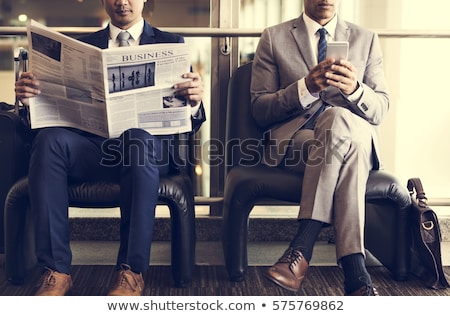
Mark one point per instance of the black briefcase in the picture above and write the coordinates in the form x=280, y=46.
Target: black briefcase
x=15, y=141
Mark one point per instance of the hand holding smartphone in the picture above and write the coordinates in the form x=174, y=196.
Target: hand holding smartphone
x=337, y=50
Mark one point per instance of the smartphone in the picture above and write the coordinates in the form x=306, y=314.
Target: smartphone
x=337, y=50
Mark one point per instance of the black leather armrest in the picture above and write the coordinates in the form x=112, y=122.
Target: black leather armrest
x=382, y=185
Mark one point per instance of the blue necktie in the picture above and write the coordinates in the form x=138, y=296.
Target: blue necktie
x=322, y=50
x=322, y=47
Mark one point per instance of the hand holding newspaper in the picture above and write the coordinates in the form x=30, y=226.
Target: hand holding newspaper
x=106, y=92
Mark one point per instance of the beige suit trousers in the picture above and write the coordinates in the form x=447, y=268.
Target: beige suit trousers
x=336, y=159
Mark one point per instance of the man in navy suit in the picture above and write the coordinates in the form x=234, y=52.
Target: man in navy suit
x=62, y=154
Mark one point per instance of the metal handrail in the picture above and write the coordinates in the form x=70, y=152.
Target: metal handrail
x=227, y=32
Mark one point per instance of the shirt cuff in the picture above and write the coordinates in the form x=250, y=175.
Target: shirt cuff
x=355, y=96
x=305, y=97
x=194, y=109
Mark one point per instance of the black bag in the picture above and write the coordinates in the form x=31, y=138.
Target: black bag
x=426, y=260
x=15, y=140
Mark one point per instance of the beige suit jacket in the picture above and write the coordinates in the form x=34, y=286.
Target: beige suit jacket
x=284, y=56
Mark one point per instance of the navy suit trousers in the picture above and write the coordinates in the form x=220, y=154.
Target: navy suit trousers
x=62, y=155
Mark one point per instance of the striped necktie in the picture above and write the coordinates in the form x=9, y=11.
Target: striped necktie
x=123, y=38
x=322, y=47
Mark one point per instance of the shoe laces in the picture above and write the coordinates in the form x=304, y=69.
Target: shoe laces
x=373, y=291
x=370, y=290
x=291, y=256
x=124, y=274
x=49, y=278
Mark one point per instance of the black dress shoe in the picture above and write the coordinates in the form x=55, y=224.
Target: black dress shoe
x=366, y=290
x=289, y=271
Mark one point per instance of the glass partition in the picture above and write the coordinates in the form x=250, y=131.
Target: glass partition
x=415, y=38
x=82, y=14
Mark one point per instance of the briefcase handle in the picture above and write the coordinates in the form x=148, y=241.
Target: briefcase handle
x=416, y=184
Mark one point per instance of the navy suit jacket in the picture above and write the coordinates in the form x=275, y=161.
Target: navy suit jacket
x=152, y=35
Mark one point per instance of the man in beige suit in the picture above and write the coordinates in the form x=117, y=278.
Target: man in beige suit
x=321, y=119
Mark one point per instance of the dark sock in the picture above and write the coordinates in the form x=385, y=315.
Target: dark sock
x=355, y=272
x=306, y=237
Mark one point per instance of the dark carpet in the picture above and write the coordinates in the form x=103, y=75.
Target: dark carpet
x=212, y=281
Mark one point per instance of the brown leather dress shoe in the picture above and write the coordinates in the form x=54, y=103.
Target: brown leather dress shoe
x=289, y=271
x=366, y=290
x=127, y=283
x=54, y=284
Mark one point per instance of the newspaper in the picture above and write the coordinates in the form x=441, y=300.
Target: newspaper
x=106, y=92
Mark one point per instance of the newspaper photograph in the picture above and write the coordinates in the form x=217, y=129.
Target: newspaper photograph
x=106, y=92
